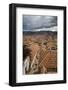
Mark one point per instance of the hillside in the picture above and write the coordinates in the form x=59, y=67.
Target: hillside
x=43, y=55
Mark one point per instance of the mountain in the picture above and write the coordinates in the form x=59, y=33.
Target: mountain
x=40, y=32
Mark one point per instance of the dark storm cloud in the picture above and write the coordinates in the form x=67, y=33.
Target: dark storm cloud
x=33, y=22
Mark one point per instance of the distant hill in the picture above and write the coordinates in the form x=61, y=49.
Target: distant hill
x=40, y=32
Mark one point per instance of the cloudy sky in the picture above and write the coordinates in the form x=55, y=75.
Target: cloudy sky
x=34, y=22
